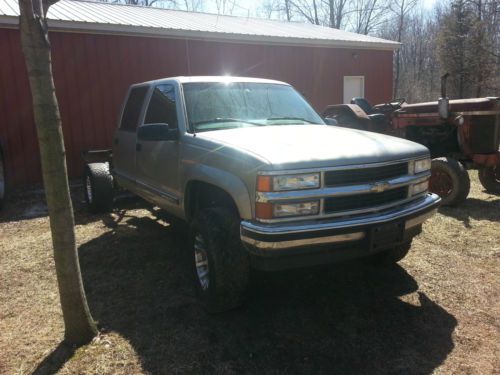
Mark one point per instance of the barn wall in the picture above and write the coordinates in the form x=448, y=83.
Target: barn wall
x=92, y=73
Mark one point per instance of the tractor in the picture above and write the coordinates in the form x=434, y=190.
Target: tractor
x=461, y=135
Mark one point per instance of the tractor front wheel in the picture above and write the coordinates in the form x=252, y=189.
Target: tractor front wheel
x=490, y=179
x=449, y=180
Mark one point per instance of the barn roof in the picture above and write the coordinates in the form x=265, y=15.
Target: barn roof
x=99, y=17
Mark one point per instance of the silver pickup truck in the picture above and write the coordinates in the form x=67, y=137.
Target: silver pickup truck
x=261, y=180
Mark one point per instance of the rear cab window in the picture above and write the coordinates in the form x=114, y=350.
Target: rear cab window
x=132, y=110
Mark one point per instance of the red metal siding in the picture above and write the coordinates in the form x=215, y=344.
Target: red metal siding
x=93, y=72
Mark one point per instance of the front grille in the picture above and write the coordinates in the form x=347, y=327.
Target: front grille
x=365, y=175
x=366, y=200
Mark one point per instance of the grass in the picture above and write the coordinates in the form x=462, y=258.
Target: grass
x=436, y=312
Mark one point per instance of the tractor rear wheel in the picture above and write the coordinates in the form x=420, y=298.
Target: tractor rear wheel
x=490, y=179
x=450, y=180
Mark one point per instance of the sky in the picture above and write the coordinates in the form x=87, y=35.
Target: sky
x=250, y=7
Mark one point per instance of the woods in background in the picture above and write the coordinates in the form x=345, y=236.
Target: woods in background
x=461, y=37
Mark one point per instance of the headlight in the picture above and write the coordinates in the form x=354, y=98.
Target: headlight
x=288, y=182
x=421, y=165
x=419, y=188
x=296, y=209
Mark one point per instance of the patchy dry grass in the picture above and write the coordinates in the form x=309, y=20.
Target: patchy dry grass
x=436, y=312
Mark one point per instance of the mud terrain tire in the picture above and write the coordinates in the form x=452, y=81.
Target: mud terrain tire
x=214, y=240
x=98, y=187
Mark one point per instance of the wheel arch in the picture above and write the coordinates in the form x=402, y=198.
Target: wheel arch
x=219, y=186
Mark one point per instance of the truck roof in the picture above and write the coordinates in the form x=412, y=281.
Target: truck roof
x=225, y=78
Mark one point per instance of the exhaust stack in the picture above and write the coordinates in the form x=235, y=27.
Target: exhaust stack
x=444, y=101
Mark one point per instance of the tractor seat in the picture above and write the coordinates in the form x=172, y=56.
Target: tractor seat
x=363, y=104
x=375, y=117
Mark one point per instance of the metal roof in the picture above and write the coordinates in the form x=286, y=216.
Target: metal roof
x=99, y=17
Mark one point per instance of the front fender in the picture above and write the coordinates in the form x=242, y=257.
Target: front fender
x=228, y=182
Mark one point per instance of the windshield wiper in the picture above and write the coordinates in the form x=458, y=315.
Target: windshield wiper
x=290, y=118
x=224, y=119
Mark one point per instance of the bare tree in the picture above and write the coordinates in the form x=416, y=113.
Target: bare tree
x=336, y=12
x=307, y=9
x=401, y=8
x=79, y=326
x=366, y=15
x=225, y=6
x=193, y=5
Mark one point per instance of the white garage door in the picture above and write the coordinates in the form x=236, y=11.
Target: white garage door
x=354, y=86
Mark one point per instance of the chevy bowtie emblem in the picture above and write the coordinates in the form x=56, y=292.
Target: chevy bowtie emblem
x=379, y=187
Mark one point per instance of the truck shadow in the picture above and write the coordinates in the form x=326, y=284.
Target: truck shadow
x=343, y=319
x=474, y=208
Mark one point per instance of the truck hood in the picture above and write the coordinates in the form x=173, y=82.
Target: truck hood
x=312, y=146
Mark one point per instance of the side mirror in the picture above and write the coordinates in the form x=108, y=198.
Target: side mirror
x=157, y=132
x=330, y=121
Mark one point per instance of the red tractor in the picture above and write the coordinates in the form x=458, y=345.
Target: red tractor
x=461, y=134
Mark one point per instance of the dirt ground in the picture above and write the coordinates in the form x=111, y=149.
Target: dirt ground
x=436, y=312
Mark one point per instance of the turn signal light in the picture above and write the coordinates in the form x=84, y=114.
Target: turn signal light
x=264, y=183
x=263, y=210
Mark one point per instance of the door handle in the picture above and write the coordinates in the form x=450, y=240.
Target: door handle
x=138, y=147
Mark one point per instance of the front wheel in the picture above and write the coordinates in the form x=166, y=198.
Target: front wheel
x=449, y=180
x=490, y=179
x=220, y=264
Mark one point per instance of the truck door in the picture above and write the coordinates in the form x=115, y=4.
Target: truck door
x=124, y=142
x=157, y=161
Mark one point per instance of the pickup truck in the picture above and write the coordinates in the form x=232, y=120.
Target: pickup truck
x=260, y=179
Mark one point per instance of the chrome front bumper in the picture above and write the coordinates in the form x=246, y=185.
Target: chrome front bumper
x=275, y=236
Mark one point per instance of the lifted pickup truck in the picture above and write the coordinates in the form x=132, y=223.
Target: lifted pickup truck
x=261, y=180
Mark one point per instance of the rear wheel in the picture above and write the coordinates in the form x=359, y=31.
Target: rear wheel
x=490, y=179
x=220, y=264
x=3, y=184
x=98, y=187
x=449, y=180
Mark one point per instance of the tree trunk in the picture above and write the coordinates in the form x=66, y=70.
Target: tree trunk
x=287, y=10
x=331, y=9
x=398, y=52
x=315, y=9
x=79, y=326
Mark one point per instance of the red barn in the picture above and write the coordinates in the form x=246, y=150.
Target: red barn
x=99, y=49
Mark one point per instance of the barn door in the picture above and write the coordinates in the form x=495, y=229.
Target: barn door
x=354, y=87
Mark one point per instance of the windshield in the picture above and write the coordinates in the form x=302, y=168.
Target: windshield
x=219, y=105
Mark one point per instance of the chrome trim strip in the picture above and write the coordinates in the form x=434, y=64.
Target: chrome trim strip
x=121, y=175
x=170, y=197
x=429, y=200
x=306, y=194
x=305, y=242
x=322, y=215
x=341, y=167
x=419, y=219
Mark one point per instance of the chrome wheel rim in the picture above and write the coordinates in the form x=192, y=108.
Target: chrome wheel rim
x=2, y=178
x=201, y=261
x=88, y=188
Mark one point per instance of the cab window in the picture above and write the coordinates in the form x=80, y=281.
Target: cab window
x=133, y=107
x=162, y=107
